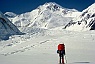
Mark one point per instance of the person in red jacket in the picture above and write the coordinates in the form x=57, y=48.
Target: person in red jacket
x=61, y=52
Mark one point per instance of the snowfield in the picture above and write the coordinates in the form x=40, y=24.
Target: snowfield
x=41, y=47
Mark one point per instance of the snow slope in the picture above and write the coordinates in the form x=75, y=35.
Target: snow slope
x=41, y=47
x=85, y=21
x=7, y=28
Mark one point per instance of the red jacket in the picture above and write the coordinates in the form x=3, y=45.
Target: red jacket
x=61, y=47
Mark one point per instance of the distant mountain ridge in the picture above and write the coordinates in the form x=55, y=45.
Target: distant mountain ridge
x=10, y=14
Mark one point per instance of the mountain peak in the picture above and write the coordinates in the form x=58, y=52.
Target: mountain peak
x=54, y=7
x=52, y=4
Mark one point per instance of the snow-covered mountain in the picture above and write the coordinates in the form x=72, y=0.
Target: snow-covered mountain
x=6, y=27
x=49, y=15
x=85, y=21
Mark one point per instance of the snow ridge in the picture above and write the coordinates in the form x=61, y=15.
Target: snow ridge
x=10, y=14
x=85, y=21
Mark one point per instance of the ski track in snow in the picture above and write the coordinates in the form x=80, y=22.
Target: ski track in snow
x=25, y=48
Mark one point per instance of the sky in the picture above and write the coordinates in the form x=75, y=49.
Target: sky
x=22, y=6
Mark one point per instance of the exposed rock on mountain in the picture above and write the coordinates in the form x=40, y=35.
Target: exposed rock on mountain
x=7, y=28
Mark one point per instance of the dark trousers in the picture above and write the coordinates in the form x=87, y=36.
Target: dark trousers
x=61, y=60
x=61, y=55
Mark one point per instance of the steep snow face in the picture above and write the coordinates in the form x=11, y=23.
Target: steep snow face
x=49, y=15
x=55, y=8
x=86, y=21
x=52, y=15
x=6, y=27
